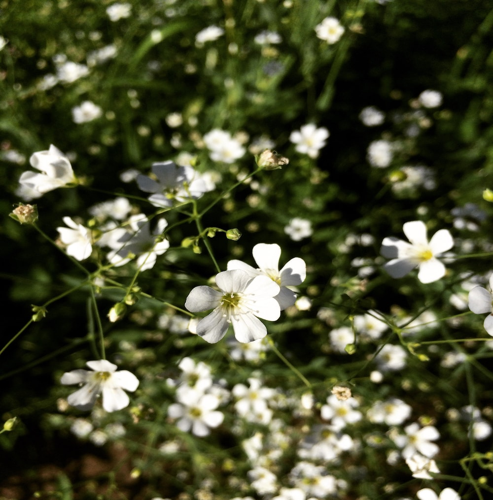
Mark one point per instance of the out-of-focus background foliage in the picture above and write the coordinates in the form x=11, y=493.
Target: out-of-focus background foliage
x=389, y=54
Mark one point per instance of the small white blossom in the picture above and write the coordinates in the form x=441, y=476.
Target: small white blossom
x=391, y=412
x=446, y=494
x=371, y=116
x=119, y=11
x=195, y=375
x=312, y=479
x=78, y=239
x=309, y=139
x=98, y=437
x=223, y=147
x=103, y=379
x=369, y=325
x=208, y=34
x=418, y=440
x=430, y=98
x=380, y=154
x=419, y=253
x=117, y=209
x=340, y=413
x=340, y=337
x=330, y=30
x=102, y=55
x=251, y=352
x=69, y=72
x=267, y=38
x=262, y=480
x=421, y=466
x=298, y=228
x=480, y=302
x=252, y=399
x=81, y=427
x=86, y=112
x=391, y=358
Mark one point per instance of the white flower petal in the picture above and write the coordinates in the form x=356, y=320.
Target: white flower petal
x=146, y=261
x=267, y=256
x=74, y=377
x=114, y=399
x=394, y=248
x=431, y=270
x=242, y=266
x=209, y=402
x=160, y=200
x=397, y=268
x=147, y=184
x=449, y=494
x=488, y=324
x=213, y=327
x=263, y=286
x=85, y=397
x=232, y=281
x=214, y=418
x=102, y=366
x=267, y=308
x=441, y=242
x=175, y=410
x=293, y=273
x=126, y=380
x=426, y=494
x=415, y=232
x=480, y=300
x=202, y=298
x=200, y=429
x=429, y=433
x=248, y=328
x=286, y=298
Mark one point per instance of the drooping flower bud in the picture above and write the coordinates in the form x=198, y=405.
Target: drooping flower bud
x=117, y=312
x=25, y=214
x=233, y=234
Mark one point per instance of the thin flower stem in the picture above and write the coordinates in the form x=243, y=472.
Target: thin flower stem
x=473, y=256
x=90, y=328
x=100, y=326
x=130, y=196
x=76, y=262
x=437, y=321
x=288, y=364
x=450, y=341
x=207, y=245
x=16, y=335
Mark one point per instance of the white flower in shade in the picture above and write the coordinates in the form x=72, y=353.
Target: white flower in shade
x=77, y=238
x=195, y=375
x=340, y=337
x=98, y=437
x=56, y=171
x=102, y=55
x=421, y=466
x=419, y=253
x=81, y=428
x=330, y=30
x=103, y=379
x=241, y=302
x=117, y=209
x=481, y=302
x=86, y=112
x=267, y=259
x=252, y=399
x=223, y=147
x=340, y=413
x=26, y=193
x=262, y=480
x=251, y=352
x=446, y=494
x=309, y=139
x=418, y=440
x=208, y=34
x=69, y=72
x=312, y=480
x=371, y=116
x=173, y=184
x=430, y=98
x=391, y=412
x=298, y=228
x=3, y=43
x=391, y=358
x=119, y=11
x=267, y=38
x=370, y=325
x=196, y=411
x=137, y=240
x=380, y=154
x=325, y=443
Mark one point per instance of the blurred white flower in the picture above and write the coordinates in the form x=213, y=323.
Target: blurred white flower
x=103, y=379
x=421, y=466
x=262, y=481
x=446, y=494
x=340, y=337
x=102, y=55
x=419, y=253
x=340, y=413
x=77, y=238
x=298, y=228
x=3, y=43
x=251, y=352
x=330, y=30
x=303, y=304
x=430, y=98
x=309, y=139
x=418, y=440
x=267, y=259
x=208, y=34
x=380, y=154
x=312, y=479
x=268, y=37
x=174, y=120
x=369, y=324
x=415, y=177
x=119, y=11
x=223, y=147
x=117, y=209
x=251, y=399
x=325, y=443
x=81, y=427
x=391, y=358
x=69, y=72
x=393, y=411
x=86, y=112
x=371, y=116
x=195, y=375
x=240, y=302
x=98, y=437
x=56, y=171
x=47, y=82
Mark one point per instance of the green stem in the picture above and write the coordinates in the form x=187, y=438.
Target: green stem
x=288, y=364
x=205, y=239
x=16, y=335
x=100, y=326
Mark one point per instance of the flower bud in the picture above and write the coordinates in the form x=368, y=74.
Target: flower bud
x=488, y=195
x=187, y=242
x=350, y=348
x=341, y=393
x=211, y=232
x=9, y=424
x=117, y=312
x=271, y=160
x=25, y=214
x=130, y=299
x=39, y=312
x=233, y=234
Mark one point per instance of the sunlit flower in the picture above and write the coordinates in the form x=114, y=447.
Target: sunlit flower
x=298, y=228
x=117, y=209
x=56, y=171
x=481, y=302
x=419, y=253
x=340, y=413
x=330, y=30
x=267, y=38
x=223, y=147
x=391, y=358
x=430, y=98
x=380, y=154
x=119, y=11
x=267, y=259
x=421, y=466
x=252, y=399
x=309, y=139
x=77, y=238
x=208, y=34
x=69, y=72
x=241, y=302
x=446, y=494
x=103, y=379
x=86, y=112
x=391, y=412
x=418, y=440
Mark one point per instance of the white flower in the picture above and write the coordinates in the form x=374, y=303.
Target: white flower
x=330, y=30
x=267, y=38
x=340, y=413
x=240, y=302
x=223, y=147
x=117, y=209
x=103, y=379
x=312, y=480
x=267, y=259
x=430, y=98
x=174, y=120
x=371, y=116
x=418, y=440
x=208, y=34
x=119, y=11
x=262, y=480
x=196, y=411
x=325, y=443
x=195, y=375
x=369, y=324
x=391, y=412
x=481, y=302
x=81, y=427
x=421, y=466
x=69, y=72
x=47, y=82
x=136, y=240
x=3, y=43
x=98, y=437
x=309, y=139
x=419, y=253
x=290, y=494
x=252, y=399
x=174, y=184
x=77, y=238
x=429, y=494
x=101, y=55
x=86, y=112
x=340, y=337
x=298, y=228
x=380, y=154
x=391, y=358
x=56, y=171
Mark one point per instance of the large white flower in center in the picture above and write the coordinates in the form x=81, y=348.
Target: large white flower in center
x=241, y=301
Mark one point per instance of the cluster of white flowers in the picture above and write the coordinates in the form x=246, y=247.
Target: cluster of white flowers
x=223, y=147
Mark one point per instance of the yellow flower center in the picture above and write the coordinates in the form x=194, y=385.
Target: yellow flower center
x=103, y=376
x=425, y=255
x=230, y=300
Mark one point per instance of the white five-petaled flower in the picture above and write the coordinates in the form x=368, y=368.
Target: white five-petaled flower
x=330, y=30
x=309, y=139
x=173, y=184
x=267, y=258
x=241, y=301
x=103, y=379
x=480, y=302
x=77, y=238
x=298, y=228
x=418, y=440
x=419, y=253
x=56, y=171
x=86, y=112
